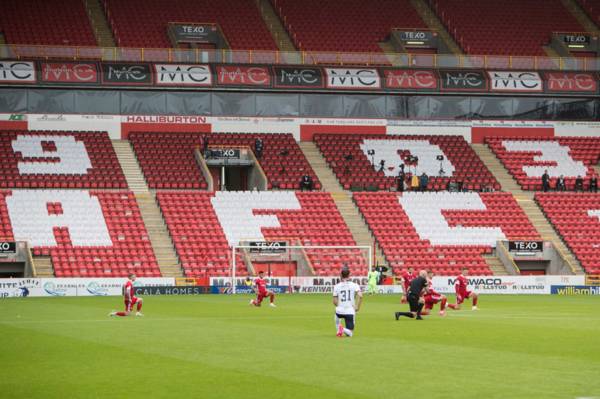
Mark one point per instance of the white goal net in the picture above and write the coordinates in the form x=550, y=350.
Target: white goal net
x=283, y=261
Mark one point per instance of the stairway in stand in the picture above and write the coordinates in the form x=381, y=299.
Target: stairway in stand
x=343, y=200
x=433, y=22
x=280, y=35
x=526, y=202
x=43, y=266
x=581, y=16
x=102, y=31
x=157, y=230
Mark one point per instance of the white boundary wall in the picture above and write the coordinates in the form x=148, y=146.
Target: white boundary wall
x=301, y=128
x=46, y=287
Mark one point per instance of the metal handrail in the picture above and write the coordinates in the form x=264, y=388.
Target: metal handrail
x=507, y=254
x=127, y=54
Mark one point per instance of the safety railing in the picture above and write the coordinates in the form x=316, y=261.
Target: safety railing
x=127, y=54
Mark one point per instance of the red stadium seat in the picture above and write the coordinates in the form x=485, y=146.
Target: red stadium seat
x=399, y=234
x=131, y=250
x=575, y=217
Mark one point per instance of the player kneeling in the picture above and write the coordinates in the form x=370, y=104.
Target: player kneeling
x=416, y=297
x=432, y=297
x=130, y=299
x=260, y=288
x=344, y=299
x=462, y=293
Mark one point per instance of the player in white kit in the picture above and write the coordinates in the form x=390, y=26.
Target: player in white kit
x=345, y=294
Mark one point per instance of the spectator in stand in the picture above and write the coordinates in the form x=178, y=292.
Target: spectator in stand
x=578, y=184
x=560, y=183
x=401, y=179
x=423, y=181
x=594, y=184
x=545, y=181
x=414, y=182
x=306, y=183
x=205, y=147
x=258, y=148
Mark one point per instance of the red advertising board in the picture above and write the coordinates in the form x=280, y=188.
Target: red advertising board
x=573, y=82
x=410, y=79
x=241, y=75
x=69, y=72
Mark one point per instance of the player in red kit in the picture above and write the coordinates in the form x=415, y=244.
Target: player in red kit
x=462, y=293
x=432, y=297
x=262, y=292
x=130, y=299
x=407, y=277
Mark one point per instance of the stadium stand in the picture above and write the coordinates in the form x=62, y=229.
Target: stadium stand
x=59, y=22
x=204, y=225
x=526, y=159
x=480, y=27
x=592, y=8
x=352, y=26
x=167, y=159
x=441, y=230
x=58, y=160
x=576, y=217
x=348, y=156
x=143, y=23
x=86, y=233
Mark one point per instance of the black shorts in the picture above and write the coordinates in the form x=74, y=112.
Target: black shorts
x=413, y=301
x=348, y=320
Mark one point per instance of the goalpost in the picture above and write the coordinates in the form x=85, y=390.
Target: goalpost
x=308, y=260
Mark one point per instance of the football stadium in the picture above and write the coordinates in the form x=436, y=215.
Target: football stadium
x=300, y=199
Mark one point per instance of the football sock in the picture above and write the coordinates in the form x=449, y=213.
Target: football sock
x=475, y=301
x=139, y=306
x=452, y=306
x=272, y=297
x=121, y=314
x=405, y=314
x=348, y=332
x=443, y=304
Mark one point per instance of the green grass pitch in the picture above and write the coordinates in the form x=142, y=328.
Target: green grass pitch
x=217, y=346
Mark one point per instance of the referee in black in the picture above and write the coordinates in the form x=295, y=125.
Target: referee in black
x=417, y=287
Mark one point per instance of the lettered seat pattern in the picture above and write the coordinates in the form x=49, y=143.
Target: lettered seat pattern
x=442, y=231
x=204, y=226
x=350, y=158
x=58, y=160
x=86, y=233
x=527, y=159
x=168, y=161
x=576, y=218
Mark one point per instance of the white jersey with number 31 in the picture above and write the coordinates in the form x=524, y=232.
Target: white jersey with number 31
x=345, y=291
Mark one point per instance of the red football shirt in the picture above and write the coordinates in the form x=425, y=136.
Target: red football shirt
x=407, y=277
x=128, y=291
x=261, y=284
x=460, y=285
